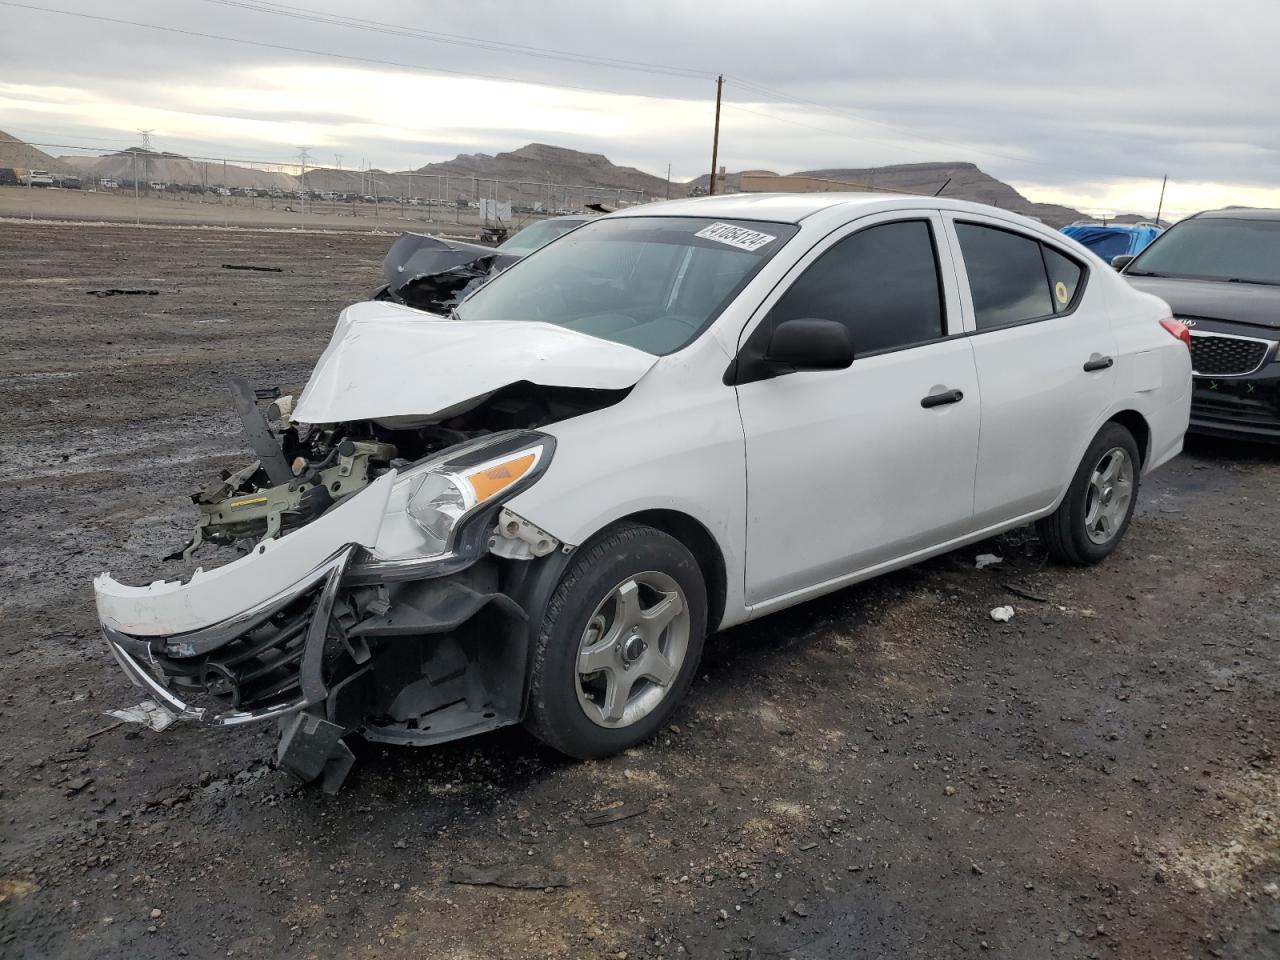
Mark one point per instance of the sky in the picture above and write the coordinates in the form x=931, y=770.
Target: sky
x=1087, y=104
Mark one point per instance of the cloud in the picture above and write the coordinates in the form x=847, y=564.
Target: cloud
x=1085, y=101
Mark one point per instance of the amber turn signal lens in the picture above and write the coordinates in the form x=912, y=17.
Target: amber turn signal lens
x=499, y=476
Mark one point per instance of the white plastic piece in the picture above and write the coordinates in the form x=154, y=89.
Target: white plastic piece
x=515, y=538
x=984, y=560
x=1002, y=614
x=148, y=713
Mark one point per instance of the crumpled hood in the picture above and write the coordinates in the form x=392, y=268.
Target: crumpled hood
x=385, y=360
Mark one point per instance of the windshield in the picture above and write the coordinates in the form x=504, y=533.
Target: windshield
x=654, y=283
x=1215, y=249
x=538, y=235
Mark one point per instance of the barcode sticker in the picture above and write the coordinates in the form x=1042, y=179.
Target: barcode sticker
x=739, y=237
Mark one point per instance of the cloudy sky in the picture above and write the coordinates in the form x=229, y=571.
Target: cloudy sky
x=1086, y=103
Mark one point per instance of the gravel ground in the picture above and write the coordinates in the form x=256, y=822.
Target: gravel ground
x=885, y=772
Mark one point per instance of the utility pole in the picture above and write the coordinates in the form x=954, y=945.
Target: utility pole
x=715, y=140
x=1160, y=208
x=146, y=161
x=302, y=178
x=669, y=179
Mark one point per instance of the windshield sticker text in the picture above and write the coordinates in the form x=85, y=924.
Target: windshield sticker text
x=740, y=237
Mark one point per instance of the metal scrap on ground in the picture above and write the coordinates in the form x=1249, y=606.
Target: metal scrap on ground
x=529, y=877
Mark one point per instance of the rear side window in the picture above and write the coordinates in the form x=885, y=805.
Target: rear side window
x=882, y=283
x=1064, y=278
x=1015, y=278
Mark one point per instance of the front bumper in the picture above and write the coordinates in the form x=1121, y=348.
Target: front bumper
x=1245, y=407
x=265, y=662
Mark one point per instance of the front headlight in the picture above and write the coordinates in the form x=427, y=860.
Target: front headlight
x=440, y=495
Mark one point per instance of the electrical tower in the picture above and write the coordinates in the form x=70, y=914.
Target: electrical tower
x=302, y=177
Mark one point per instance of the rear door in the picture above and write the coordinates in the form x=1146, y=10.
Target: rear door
x=849, y=469
x=1045, y=356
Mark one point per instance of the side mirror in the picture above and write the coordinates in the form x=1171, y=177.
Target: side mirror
x=810, y=344
x=1121, y=261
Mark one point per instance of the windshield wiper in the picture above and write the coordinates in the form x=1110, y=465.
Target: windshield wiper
x=1142, y=273
x=1261, y=283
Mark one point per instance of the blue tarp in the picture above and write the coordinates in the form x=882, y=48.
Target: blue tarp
x=1113, y=240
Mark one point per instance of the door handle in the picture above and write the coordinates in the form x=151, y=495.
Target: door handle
x=938, y=399
x=1097, y=362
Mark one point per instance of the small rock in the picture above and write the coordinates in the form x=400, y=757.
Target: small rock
x=800, y=910
x=723, y=915
x=949, y=790
x=1002, y=614
x=155, y=913
x=977, y=870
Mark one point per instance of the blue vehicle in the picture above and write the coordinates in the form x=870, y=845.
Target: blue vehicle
x=1114, y=239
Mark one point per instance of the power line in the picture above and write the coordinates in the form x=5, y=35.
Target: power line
x=400, y=65
x=499, y=46
x=510, y=48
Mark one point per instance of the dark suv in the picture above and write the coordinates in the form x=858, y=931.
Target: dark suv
x=1220, y=272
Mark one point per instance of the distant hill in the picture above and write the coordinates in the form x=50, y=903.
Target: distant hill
x=15, y=153
x=967, y=182
x=177, y=169
x=531, y=165
x=523, y=174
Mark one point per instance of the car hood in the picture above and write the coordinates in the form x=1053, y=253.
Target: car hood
x=386, y=361
x=1250, y=303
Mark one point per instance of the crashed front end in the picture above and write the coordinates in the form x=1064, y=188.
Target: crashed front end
x=319, y=642
x=384, y=586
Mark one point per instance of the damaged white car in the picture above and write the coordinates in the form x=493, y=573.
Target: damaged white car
x=672, y=420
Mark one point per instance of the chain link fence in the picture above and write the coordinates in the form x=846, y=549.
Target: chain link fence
x=164, y=185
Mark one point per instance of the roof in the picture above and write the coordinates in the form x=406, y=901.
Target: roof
x=778, y=207
x=1239, y=213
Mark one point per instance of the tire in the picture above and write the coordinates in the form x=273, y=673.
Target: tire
x=1074, y=533
x=595, y=619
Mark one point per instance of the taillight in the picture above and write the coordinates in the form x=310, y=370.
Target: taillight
x=1177, y=329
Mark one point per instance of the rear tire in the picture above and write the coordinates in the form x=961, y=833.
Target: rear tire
x=1095, y=513
x=619, y=643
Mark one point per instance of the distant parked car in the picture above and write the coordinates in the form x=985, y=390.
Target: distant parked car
x=1113, y=239
x=1220, y=272
x=38, y=178
x=434, y=274
x=108, y=183
x=539, y=234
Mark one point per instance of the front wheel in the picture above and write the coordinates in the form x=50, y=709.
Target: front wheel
x=619, y=643
x=1096, y=511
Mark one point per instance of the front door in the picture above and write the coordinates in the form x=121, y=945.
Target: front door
x=852, y=469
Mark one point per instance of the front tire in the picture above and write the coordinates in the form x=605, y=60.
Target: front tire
x=619, y=644
x=1094, y=515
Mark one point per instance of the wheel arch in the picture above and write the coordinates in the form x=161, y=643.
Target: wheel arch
x=1136, y=424
x=699, y=541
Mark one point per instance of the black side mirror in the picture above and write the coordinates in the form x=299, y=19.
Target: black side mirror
x=810, y=344
x=1121, y=261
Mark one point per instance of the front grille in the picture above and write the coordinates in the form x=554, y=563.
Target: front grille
x=1214, y=356
x=258, y=669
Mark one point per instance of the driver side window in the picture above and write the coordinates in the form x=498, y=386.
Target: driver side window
x=883, y=283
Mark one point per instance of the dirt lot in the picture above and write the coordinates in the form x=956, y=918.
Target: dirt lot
x=882, y=773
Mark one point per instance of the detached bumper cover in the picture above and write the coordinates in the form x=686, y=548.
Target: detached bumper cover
x=264, y=663
x=227, y=596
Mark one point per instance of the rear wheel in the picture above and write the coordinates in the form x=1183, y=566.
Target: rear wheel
x=1096, y=511
x=619, y=644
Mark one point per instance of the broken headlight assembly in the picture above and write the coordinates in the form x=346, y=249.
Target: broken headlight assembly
x=445, y=506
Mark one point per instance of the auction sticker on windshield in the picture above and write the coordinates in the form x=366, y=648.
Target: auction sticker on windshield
x=740, y=237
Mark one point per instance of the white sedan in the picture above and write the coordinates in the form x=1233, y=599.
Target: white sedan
x=674, y=419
